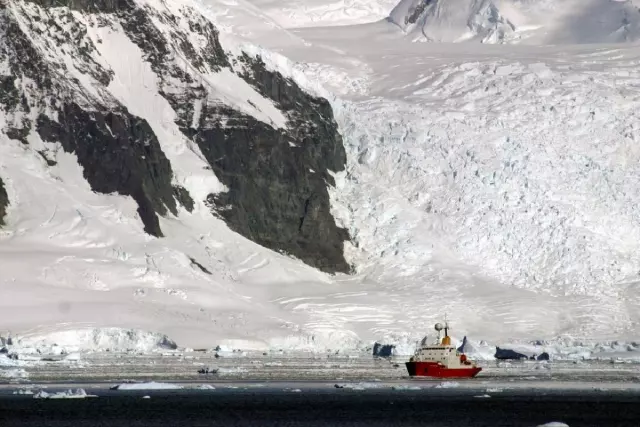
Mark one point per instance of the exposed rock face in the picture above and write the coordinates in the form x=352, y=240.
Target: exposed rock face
x=278, y=179
x=4, y=202
x=383, y=350
x=119, y=153
x=106, y=6
x=414, y=14
x=508, y=354
x=58, y=87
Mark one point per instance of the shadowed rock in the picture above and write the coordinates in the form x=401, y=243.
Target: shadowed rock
x=383, y=350
x=4, y=202
x=508, y=354
x=277, y=178
x=118, y=153
x=105, y=6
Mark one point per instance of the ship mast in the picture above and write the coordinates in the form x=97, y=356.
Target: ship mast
x=446, y=326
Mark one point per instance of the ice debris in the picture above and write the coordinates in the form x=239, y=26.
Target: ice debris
x=152, y=385
x=205, y=387
x=448, y=384
x=405, y=387
x=79, y=393
x=357, y=386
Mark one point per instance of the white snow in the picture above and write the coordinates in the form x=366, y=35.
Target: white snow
x=311, y=13
x=152, y=385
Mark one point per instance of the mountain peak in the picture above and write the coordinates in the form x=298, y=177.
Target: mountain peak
x=452, y=20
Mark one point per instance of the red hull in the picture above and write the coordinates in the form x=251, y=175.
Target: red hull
x=432, y=369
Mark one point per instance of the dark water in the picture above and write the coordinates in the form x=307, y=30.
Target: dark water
x=324, y=408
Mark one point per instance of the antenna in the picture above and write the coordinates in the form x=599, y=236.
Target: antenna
x=446, y=325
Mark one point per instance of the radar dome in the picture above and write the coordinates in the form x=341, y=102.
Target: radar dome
x=439, y=327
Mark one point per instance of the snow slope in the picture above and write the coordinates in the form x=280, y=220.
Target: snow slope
x=519, y=21
x=314, y=13
x=495, y=183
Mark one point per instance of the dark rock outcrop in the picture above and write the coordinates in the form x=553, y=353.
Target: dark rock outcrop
x=278, y=178
x=4, y=202
x=118, y=153
x=273, y=198
x=415, y=14
x=543, y=356
x=508, y=354
x=9, y=93
x=464, y=346
x=383, y=350
x=184, y=198
x=91, y=6
x=199, y=266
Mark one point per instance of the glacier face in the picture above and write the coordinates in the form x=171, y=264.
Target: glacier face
x=486, y=164
x=531, y=185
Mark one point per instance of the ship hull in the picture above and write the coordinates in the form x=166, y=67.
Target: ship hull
x=430, y=369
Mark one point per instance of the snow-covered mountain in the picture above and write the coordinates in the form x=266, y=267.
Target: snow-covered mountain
x=99, y=88
x=519, y=21
x=452, y=21
x=162, y=170
x=139, y=99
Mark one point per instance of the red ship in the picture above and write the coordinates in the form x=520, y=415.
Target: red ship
x=441, y=359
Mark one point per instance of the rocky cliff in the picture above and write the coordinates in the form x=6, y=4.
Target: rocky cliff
x=61, y=86
x=4, y=202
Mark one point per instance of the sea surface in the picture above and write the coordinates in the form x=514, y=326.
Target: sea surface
x=306, y=390
x=272, y=405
